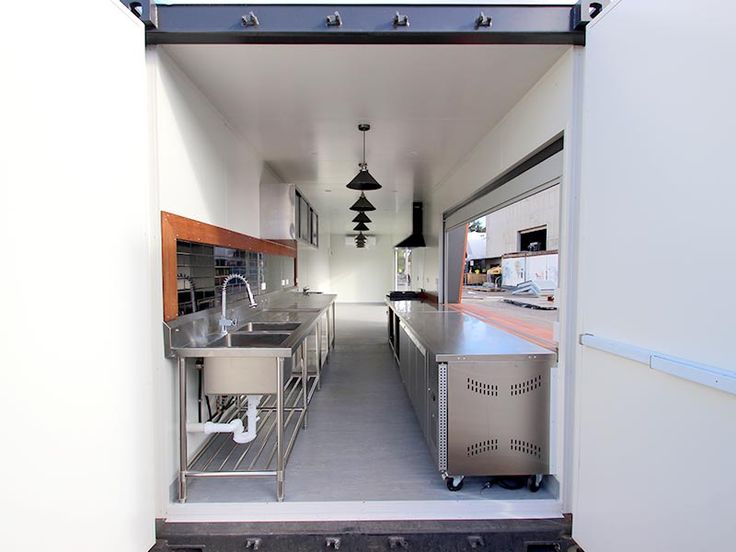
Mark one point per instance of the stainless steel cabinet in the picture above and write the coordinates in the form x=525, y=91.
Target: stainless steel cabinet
x=413, y=368
x=498, y=416
x=481, y=415
x=405, y=356
x=432, y=430
x=420, y=386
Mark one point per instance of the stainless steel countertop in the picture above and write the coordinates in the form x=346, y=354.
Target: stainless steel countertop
x=452, y=335
x=286, y=307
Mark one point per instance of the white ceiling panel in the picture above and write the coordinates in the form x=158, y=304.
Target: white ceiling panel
x=299, y=106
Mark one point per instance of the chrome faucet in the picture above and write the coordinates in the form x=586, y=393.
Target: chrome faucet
x=225, y=322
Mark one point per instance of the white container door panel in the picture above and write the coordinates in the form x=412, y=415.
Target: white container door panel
x=655, y=452
x=76, y=219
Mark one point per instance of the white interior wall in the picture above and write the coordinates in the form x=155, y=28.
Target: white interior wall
x=361, y=275
x=545, y=112
x=313, y=263
x=202, y=170
x=206, y=171
x=541, y=115
x=503, y=226
x=77, y=379
x=656, y=452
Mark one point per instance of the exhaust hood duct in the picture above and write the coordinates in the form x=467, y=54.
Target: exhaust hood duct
x=362, y=204
x=361, y=217
x=361, y=226
x=416, y=239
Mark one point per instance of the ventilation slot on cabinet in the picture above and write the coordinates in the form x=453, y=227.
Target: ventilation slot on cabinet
x=482, y=446
x=526, y=447
x=526, y=386
x=482, y=387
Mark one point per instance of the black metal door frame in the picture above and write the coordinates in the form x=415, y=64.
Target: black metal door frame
x=364, y=23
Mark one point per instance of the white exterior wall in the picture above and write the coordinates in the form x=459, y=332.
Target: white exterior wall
x=503, y=226
x=77, y=381
x=656, y=452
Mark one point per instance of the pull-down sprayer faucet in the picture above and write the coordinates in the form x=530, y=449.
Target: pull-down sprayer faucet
x=225, y=322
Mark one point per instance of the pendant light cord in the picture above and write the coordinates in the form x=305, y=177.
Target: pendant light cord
x=363, y=166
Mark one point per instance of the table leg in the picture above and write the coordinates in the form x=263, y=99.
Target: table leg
x=280, y=431
x=183, y=460
x=305, y=381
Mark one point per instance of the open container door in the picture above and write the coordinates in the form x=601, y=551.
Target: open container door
x=656, y=438
x=77, y=330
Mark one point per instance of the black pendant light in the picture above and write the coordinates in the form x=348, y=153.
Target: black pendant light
x=363, y=180
x=360, y=237
x=361, y=226
x=361, y=217
x=362, y=204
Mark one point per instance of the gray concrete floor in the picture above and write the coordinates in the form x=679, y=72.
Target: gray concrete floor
x=363, y=442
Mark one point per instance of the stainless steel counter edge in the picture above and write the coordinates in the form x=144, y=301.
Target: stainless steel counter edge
x=443, y=353
x=200, y=348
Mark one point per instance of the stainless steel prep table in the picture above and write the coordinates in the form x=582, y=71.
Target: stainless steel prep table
x=197, y=336
x=481, y=395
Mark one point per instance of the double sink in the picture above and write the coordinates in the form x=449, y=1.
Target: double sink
x=269, y=332
x=257, y=334
x=258, y=356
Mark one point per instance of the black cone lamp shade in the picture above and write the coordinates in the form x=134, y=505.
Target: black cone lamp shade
x=361, y=217
x=360, y=245
x=363, y=180
x=361, y=227
x=362, y=204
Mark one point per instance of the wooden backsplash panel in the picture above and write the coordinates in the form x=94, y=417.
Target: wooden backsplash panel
x=175, y=227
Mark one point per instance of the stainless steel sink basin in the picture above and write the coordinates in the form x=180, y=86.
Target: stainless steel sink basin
x=290, y=309
x=269, y=327
x=250, y=339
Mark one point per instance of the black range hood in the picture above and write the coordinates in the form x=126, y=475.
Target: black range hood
x=416, y=239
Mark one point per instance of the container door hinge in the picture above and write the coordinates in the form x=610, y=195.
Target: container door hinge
x=585, y=11
x=145, y=10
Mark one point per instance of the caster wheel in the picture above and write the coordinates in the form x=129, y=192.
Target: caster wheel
x=534, y=483
x=454, y=483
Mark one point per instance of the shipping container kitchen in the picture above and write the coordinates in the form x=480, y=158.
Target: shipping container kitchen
x=197, y=348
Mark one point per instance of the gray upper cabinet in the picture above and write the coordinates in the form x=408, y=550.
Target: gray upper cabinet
x=306, y=220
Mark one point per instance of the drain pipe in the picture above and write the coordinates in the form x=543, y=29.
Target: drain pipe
x=252, y=417
x=240, y=435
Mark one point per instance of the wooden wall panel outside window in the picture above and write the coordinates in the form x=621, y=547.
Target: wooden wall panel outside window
x=175, y=227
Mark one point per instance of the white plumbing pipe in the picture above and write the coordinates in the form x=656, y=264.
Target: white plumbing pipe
x=252, y=417
x=240, y=435
x=236, y=426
